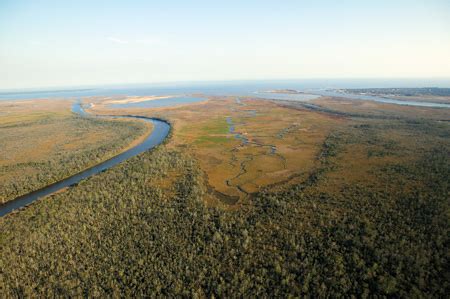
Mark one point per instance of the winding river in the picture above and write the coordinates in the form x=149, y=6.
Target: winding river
x=159, y=133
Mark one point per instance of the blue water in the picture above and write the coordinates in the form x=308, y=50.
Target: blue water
x=78, y=109
x=379, y=99
x=300, y=97
x=243, y=139
x=158, y=135
x=239, y=88
x=231, y=129
x=159, y=103
x=318, y=93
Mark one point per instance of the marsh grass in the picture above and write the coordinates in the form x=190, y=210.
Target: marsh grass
x=359, y=225
x=42, y=148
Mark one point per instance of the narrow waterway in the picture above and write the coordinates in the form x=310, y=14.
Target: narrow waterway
x=316, y=93
x=158, y=135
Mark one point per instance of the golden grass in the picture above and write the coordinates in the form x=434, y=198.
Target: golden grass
x=236, y=169
x=232, y=166
x=35, y=135
x=371, y=108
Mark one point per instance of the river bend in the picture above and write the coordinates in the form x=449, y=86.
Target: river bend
x=159, y=133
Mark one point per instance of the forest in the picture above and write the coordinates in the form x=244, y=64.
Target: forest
x=49, y=147
x=376, y=228
x=225, y=149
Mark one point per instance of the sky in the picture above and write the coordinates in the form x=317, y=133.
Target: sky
x=75, y=43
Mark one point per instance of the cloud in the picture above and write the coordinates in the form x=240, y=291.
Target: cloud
x=117, y=40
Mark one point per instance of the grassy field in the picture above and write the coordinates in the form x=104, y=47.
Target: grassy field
x=280, y=143
x=345, y=107
x=42, y=142
x=142, y=228
x=282, y=140
x=426, y=94
x=350, y=204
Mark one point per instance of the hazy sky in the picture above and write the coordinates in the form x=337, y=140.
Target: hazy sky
x=62, y=43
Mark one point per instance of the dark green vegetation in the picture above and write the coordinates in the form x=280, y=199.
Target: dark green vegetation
x=46, y=147
x=141, y=228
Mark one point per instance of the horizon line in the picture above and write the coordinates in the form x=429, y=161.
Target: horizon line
x=184, y=82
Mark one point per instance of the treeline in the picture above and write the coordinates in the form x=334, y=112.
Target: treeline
x=24, y=177
x=125, y=233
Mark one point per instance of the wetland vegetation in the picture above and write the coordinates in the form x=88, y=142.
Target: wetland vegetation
x=412, y=96
x=42, y=147
x=225, y=149
x=365, y=215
